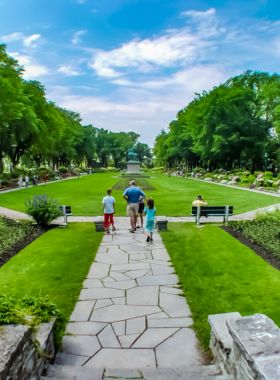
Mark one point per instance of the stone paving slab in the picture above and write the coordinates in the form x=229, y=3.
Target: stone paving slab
x=130, y=314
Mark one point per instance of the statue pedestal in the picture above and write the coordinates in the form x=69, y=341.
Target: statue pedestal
x=133, y=167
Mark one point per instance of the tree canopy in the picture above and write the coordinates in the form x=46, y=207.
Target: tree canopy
x=226, y=126
x=35, y=129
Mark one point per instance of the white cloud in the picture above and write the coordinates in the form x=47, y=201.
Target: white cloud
x=199, y=14
x=32, y=69
x=76, y=38
x=151, y=105
x=12, y=37
x=69, y=70
x=176, y=47
x=28, y=41
x=81, y=1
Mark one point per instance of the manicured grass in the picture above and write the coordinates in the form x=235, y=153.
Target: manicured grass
x=220, y=275
x=173, y=196
x=55, y=264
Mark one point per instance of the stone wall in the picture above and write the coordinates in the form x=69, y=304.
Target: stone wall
x=24, y=351
x=247, y=347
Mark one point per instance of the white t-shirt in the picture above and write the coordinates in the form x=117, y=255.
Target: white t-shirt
x=109, y=201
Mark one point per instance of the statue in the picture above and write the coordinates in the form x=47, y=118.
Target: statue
x=131, y=155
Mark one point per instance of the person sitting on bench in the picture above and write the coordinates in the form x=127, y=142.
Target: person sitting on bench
x=199, y=201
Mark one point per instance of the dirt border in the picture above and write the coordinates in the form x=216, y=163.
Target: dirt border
x=258, y=249
x=6, y=256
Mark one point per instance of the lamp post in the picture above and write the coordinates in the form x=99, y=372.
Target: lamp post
x=265, y=155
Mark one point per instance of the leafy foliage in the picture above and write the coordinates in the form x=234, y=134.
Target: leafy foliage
x=13, y=232
x=264, y=230
x=43, y=209
x=32, y=310
x=226, y=126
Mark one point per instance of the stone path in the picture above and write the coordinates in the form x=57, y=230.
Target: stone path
x=130, y=312
x=83, y=219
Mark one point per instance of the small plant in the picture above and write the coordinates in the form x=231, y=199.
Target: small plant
x=43, y=209
x=12, y=232
x=29, y=309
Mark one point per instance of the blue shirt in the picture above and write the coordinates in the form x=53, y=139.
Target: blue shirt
x=150, y=214
x=133, y=194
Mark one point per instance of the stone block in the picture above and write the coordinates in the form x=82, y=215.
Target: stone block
x=162, y=223
x=219, y=328
x=255, y=335
x=24, y=351
x=99, y=224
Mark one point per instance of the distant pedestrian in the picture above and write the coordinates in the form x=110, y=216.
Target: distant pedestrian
x=169, y=174
x=35, y=180
x=131, y=195
x=150, y=212
x=78, y=174
x=20, y=182
x=109, y=210
x=192, y=175
x=44, y=178
x=26, y=180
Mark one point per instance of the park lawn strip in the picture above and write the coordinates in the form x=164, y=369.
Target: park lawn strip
x=54, y=265
x=218, y=275
x=173, y=196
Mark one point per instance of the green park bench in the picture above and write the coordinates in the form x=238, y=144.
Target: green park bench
x=199, y=211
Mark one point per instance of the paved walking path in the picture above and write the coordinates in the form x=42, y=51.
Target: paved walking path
x=130, y=313
x=83, y=219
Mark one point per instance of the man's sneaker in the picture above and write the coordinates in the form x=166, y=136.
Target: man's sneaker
x=148, y=239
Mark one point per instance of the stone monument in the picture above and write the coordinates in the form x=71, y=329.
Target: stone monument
x=133, y=165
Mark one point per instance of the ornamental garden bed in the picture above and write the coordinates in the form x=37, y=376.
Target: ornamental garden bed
x=123, y=184
x=16, y=235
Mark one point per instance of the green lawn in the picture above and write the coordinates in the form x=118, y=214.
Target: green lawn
x=55, y=264
x=220, y=275
x=173, y=196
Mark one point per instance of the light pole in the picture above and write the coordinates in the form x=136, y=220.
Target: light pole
x=265, y=155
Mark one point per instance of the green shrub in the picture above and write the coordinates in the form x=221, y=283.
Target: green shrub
x=251, y=178
x=268, y=174
x=63, y=169
x=264, y=229
x=43, y=209
x=5, y=182
x=13, y=232
x=100, y=170
x=245, y=179
x=15, y=311
x=15, y=174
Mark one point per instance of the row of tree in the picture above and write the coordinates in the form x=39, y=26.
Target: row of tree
x=235, y=124
x=35, y=130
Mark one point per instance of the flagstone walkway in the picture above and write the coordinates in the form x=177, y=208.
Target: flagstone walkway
x=130, y=312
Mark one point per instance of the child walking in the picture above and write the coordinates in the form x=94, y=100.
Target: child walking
x=109, y=210
x=150, y=212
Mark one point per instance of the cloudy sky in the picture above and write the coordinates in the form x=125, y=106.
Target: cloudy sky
x=132, y=64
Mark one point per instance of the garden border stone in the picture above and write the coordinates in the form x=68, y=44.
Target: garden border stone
x=25, y=350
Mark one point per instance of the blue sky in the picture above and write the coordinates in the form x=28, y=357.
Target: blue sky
x=132, y=64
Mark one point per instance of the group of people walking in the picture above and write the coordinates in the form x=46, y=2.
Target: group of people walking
x=135, y=198
x=34, y=180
